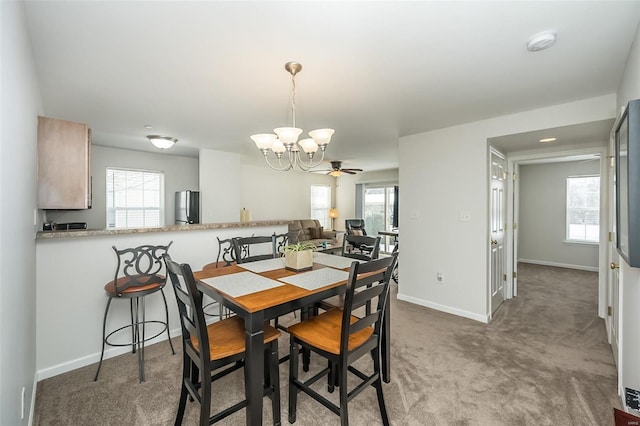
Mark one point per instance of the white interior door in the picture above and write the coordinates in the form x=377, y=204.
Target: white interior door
x=613, y=279
x=497, y=215
x=516, y=212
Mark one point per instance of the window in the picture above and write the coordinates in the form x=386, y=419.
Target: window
x=583, y=208
x=135, y=198
x=320, y=204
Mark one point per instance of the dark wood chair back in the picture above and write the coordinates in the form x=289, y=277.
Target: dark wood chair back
x=244, y=246
x=189, y=300
x=139, y=267
x=366, y=247
x=367, y=281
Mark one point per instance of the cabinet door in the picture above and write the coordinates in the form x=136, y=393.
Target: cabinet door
x=64, y=158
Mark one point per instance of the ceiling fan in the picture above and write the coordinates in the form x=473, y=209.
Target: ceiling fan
x=337, y=170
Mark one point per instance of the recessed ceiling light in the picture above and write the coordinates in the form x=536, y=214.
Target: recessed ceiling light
x=548, y=140
x=148, y=126
x=541, y=41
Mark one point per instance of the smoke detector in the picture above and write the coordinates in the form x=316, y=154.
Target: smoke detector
x=541, y=41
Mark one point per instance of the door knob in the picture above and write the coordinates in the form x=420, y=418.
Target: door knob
x=614, y=265
x=494, y=242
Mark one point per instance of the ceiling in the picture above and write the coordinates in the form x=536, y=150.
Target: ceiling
x=212, y=73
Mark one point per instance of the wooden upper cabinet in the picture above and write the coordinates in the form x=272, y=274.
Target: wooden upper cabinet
x=64, y=164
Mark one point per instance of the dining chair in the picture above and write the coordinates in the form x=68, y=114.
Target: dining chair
x=265, y=245
x=226, y=254
x=342, y=338
x=138, y=274
x=366, y=247
x=212, y=351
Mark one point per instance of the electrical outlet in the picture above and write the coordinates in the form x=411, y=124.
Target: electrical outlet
x=465, y=216
x=440, y=277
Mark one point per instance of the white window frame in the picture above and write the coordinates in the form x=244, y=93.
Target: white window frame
x=112, y=209
x=321, y=211
x=569, y=209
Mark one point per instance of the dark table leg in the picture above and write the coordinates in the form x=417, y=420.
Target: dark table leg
x=254, y=366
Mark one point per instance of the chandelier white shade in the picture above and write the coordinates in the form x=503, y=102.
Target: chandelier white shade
x=284, y=143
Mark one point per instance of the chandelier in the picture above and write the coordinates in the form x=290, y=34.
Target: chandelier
x=284, y=144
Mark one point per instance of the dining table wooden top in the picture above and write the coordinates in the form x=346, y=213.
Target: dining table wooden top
x=264, y=299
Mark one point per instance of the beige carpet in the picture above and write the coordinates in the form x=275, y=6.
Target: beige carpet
x=544, y=360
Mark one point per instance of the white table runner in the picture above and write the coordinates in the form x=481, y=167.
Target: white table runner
x=236, y=285
x=263, y=265
x=317, y=278
x=333, y=261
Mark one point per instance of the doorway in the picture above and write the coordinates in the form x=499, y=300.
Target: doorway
x=515, y=216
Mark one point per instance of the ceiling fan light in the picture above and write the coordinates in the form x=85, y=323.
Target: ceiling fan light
x=162, y=142
x=264, y=140
x=335, y=173
x=288, y=135
x=322, y=136
x=308, y=145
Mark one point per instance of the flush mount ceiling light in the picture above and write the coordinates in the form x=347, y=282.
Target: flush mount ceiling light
x=285, y=143
x=541, y=41
x=546, y=140
x=162, y=142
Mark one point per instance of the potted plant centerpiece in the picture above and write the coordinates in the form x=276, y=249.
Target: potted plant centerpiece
x=298, y=256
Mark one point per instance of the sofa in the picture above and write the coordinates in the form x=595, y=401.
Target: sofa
x=310, y=230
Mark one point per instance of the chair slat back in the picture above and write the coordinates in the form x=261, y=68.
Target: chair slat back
x=247, y=242
x=367, y=281
x=189, y=300
x=360, y=242
x=138, y=266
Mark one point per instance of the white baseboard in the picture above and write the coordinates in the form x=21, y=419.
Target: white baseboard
x=560, y=265
x=444, y=308
x=109, y=352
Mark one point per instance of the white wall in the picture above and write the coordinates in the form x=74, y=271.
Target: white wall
x=542, y=220
x=219, y=186
x=629, y=277
x=228, y=183
x=180, y=173
x=270, y=194
x=444, y=172
x=20, y=105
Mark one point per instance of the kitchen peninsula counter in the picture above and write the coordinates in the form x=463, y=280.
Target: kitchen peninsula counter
x=74, y=266
x=76, y=233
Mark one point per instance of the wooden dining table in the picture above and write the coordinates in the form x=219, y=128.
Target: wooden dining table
x=264, y=290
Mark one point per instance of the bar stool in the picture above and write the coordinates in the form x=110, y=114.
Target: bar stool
x=137, y=275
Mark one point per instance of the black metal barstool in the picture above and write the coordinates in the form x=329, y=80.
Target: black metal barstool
x=137, y=275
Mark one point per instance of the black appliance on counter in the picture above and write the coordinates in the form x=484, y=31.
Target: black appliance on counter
x=187, y=207
x=50, y=226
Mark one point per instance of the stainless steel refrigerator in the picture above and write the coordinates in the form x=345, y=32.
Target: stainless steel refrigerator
x=187, y=207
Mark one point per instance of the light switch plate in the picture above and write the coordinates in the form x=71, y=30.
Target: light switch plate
x=465, y=216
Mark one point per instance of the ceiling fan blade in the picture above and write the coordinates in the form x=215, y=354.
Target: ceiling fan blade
x=353, y=170
x=348, y=171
